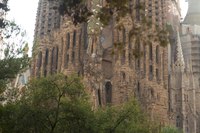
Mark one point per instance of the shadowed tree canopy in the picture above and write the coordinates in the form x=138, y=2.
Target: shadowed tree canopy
x=60, y=104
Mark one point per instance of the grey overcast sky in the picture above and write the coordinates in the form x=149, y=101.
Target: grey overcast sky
x=24, y=14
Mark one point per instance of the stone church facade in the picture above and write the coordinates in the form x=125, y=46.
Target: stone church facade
x=61, y=47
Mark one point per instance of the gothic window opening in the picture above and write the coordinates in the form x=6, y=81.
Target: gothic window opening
x=144, y=64
x=73, y=57
x=178, y=121
x=123, y=57
x=137, y=47
x=56, y=59
x=124, y=36
x=150, y=52
x=150, y=72
x=79, y=48
x=138, y=88
x=52, y=60
x=74, y=39
x=67, y=61
x=39, y=64
x=99, y=97
x=123, y=76
x=108, y=92
x=157, y=75
x=157, y=54
x=137, y=10
x=68, y=40
x=46, y=62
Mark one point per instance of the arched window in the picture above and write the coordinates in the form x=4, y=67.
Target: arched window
x=144, y=52
x=39, y=64
x=178, y=121
x=74, y=39
x=150, y=72
x=123, y=57
x=66, y=61
x=52, y=60
x=138, y=88
x=123, y=76
x=137, y=10
x=150, y=52
x=108, y=92
x=124, y=36
x=73, y=57
x=157, y=54
x=99, y=97
x=46, y=62
x=56, y=59
x=157, y=74
x=68, y=41
x=137, y=48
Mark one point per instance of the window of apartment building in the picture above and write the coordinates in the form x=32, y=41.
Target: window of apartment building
x=108, y=92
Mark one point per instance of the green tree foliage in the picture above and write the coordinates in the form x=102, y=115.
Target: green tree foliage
x=3, y=10
x=59, y=104
x=170, y=129
x=13, y=53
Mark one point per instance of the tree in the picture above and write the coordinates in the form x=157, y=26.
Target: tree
x=59, y=104
x=52, y=105
x=13, y=49
x=170, y=129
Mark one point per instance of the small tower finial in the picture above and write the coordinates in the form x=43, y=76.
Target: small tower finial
x=179, y=63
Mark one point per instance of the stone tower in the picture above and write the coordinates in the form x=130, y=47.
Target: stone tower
x=182, y=93
x=47, y=19
x=193, y=14
x=62, y=47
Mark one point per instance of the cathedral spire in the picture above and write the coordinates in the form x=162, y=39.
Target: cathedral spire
x=193, y=14
x=179, y=64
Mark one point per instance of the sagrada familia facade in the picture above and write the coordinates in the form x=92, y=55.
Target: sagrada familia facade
x=165, y=80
